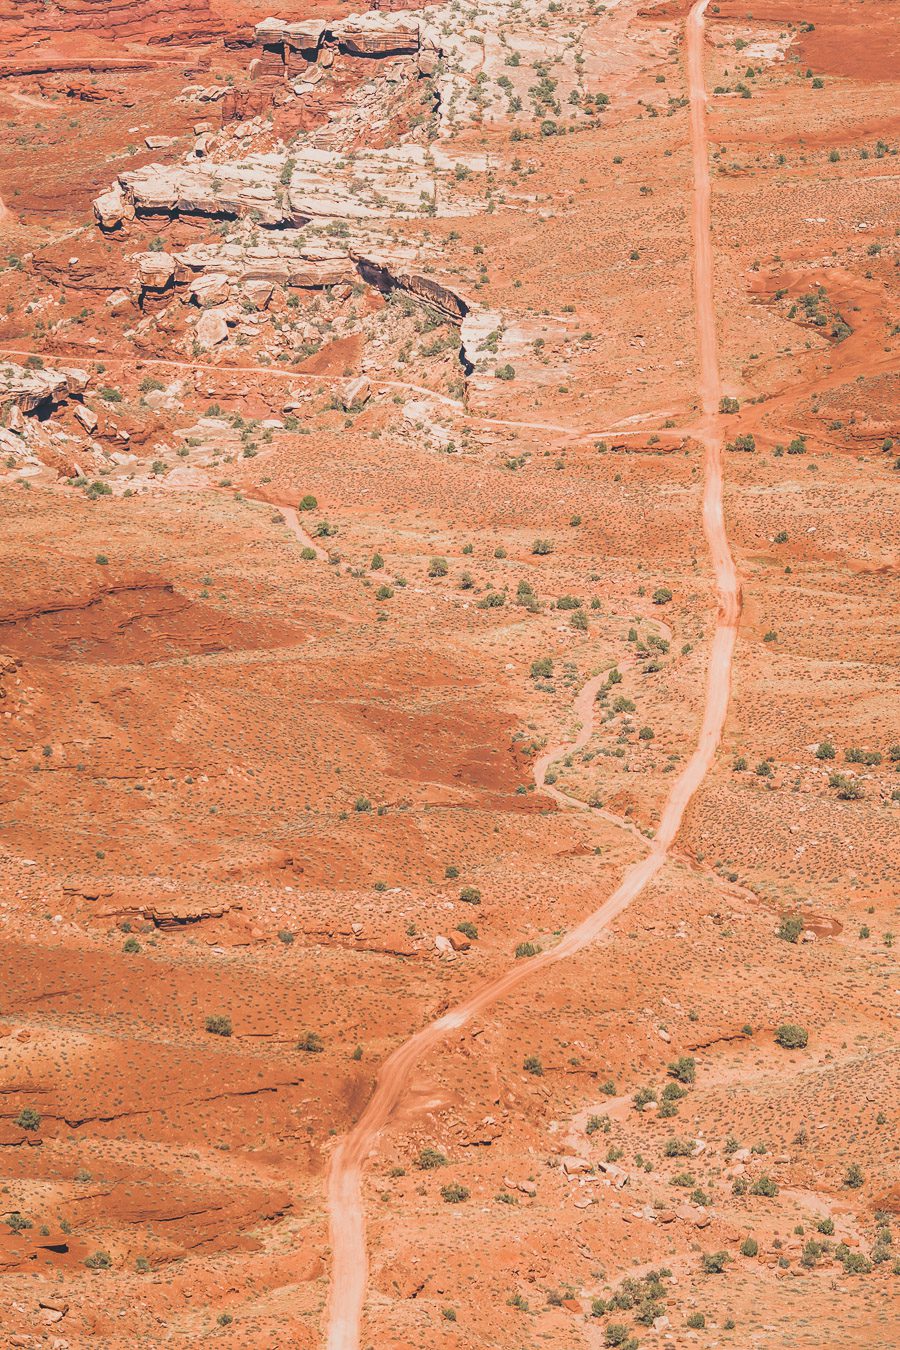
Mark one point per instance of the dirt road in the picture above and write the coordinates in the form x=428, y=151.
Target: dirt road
x=347, y=1215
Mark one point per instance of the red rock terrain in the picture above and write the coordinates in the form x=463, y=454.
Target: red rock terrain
x=441, y=902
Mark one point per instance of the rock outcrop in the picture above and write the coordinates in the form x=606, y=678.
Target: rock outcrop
x=276, y=190
x=376, y=33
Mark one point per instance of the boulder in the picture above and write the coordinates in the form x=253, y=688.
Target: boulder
x=77, y=380
x=211, y=329
x=575, y=1166
x=156, y=271
x=258, y=291
x=355, y=393
x=87, y=417
x=210, y=288
x=112, y=208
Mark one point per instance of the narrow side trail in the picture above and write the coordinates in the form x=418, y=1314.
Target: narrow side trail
x=345, y=1204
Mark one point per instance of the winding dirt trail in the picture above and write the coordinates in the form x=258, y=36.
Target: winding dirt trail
x=345, y=1204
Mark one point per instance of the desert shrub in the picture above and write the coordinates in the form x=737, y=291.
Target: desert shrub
x=812, y=1250
x=307, y=503
x=791, y=1036
x=467, y=929
x=438, y=567
x=662, y=595
x=454, y=1193
x=853, y=1177
x=728, y=405
x=218, y=1024
x=749, y=1247
x=825, y=750
x=429, y=1159
x=98, y=1261
x=542, y=669
x=696, y=1321
x=470, y=895
x=131, y=945
x=312, y=1043
x=531, y=1064
x=541, y=547
x=527, y=949
x=684, y=1069
x=678, y=1148
x=713, y=1263
x=643, y=1097
x=28, y=1119
x=616, y=1335
x=790, y=928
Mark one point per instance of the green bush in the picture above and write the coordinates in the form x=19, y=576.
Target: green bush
x=218, y=1024
x=854, y=1177
x=678, y=1148
x=662, y=595
x=749, y=1247
x=470, y=895
x=438, y=567
x=307, y=503
x=791, y=1037
x=429, y=1159
x=541, y=547
x=713, y=1263
x=28, y=1119
x=454, y=1193
x=531, y=1064
x=764, y=1185
x=684, y=1069
x=790, y=928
